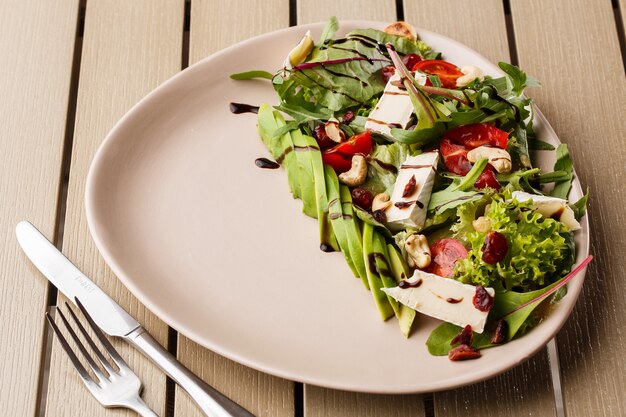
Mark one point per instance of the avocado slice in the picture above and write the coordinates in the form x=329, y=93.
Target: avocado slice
x=305, y=172
x=353, y=232
x=373, y=277
x=327, y=237
x=281, y=147
x=400, y=271
x=384, y=269
x=335, y=215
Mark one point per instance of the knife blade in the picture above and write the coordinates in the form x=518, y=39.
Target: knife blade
x=64, y=275
x=115, y=321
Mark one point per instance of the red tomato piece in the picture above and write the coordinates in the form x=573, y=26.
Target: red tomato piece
x=340, y=156
x=447, y=72
x=455, y=157
x=487, y=179
x=444, y=254
x=340, y=163
x=479, y=134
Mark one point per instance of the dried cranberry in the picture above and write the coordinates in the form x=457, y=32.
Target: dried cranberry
x=463, y=338
x=410, y=60
x=487, y=179
x=409, y=188
x=348, y=117
x=380, y=216
x=500, y=333
x=324, y=142
x=495, y=248
x=388, y=72
x=362, y=198
x=482, y=300
x=463, y=352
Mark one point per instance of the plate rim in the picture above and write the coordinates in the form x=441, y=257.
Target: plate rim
x=127, y=281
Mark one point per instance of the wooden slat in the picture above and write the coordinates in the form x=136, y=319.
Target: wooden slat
x=37, y=44
x=586, y=106
x=465, y=21
x=526, y=390
x=129, y=48
x=321, y=401
x=216, y=25
x=320, y=11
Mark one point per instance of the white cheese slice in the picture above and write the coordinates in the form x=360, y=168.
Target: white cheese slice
x=442, y=298
x=394, y=109
x=410, y=211
x=550, y=207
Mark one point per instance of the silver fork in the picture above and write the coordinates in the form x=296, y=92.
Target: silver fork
x=118, y=387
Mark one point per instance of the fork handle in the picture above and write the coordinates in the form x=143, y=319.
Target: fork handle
x=211, y=402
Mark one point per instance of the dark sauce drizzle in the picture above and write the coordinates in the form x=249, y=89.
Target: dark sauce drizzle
x=266, y=163
x=407, y=284
x=238, y=108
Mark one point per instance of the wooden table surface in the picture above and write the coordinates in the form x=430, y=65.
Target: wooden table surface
x=69, y=69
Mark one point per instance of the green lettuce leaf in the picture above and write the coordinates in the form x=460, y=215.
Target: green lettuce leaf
x=540, y=249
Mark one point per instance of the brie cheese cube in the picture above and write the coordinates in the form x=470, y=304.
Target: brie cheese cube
x=410, y=211
x=442, y=298
x=394, y=109
x=553, y=207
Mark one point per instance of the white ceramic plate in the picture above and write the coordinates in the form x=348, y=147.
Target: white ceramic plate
x=219, y=250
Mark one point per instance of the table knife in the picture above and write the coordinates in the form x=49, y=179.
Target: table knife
x=115, y=321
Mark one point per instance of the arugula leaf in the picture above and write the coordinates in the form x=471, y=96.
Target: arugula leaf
x=563, y=163
x=438, y=343
x=417, y=137
x=329, y=30
x=248, y=75
x=539, y=145
x=580, y=207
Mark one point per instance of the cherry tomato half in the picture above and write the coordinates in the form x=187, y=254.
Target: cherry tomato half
x=445, y=253
x=455, y=157
x=447, y=72
x=340, y=156
x=479, y=134
x=340, y=163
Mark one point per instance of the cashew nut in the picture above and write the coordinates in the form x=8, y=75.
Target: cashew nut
x=498, y=158
x=418, y=252
x=470, y=73
x=401, y=28
x=333, y=131
x=482, y=224
x=357, y=173
x=381, y=202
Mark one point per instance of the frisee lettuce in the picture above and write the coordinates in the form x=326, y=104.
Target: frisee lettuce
x=541, y=250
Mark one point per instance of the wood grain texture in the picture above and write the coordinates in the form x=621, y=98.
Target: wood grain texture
x=129, y=48
x=586, y=106
x=320, y=11
x=321, y=401
x=214, y=26
x=479, y=24
x=37, y=44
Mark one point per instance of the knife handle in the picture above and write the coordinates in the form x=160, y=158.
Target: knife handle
x=212, y=402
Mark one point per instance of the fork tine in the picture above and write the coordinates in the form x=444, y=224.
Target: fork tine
x=105, y=342
x=82, y=349
x=68, y=350
x=90, y=341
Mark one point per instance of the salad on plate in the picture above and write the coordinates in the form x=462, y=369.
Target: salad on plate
x=421, y=174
